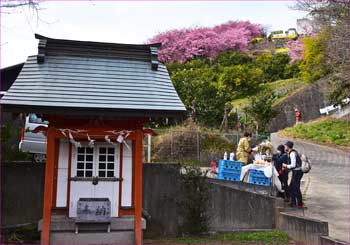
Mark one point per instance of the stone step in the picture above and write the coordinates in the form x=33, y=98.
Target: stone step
x=114, y=237
x=62, y=223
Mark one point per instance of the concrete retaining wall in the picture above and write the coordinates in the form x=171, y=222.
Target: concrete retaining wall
x=326, y=240
x=22, y=192
x=160, y=187
x=235, y=206
x=230, y=207
x=302, y=229
x=233, y=209
x=308, y=100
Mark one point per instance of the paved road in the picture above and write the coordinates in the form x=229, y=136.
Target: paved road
x=327, y=186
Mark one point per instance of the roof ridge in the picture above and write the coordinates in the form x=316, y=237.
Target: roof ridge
x=41, y=37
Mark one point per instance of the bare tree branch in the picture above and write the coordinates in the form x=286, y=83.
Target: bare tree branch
x=14, y=4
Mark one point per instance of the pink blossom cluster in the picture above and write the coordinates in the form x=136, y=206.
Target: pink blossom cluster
x=184, y=44
x=295, y=49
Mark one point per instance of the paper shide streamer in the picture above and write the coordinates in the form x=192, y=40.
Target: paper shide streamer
x=121, y=136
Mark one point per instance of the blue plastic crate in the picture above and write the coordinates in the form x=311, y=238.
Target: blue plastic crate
x=227, y=164
x=256, y=173
x=259, y=180
x=230, y=177
x=230, y=171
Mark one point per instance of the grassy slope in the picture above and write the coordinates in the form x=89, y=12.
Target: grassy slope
x=285, y=88
x=271, y=237
x=325, y=130
x=282, y=88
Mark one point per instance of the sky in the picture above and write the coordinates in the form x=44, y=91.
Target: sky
x=127, y=21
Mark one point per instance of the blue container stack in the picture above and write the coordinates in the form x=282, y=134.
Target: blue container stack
x=229, y=170
x=257, y=177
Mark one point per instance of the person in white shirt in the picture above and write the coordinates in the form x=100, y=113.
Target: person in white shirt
x=294, y=164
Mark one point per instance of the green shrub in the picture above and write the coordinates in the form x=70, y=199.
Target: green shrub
x=194, y=201
x=292, y=70
x=314, y=65
x=273, y=66
x=10, y=135
x=233, y=58
x=260, y=110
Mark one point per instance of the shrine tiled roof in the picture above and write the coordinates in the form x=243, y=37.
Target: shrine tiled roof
x=93, y=78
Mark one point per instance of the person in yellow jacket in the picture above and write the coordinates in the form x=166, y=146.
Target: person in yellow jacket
x=243, y=148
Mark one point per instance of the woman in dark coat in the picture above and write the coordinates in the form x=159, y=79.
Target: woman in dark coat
x=280, y=158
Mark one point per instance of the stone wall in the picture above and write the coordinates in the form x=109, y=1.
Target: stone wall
x=308, y=100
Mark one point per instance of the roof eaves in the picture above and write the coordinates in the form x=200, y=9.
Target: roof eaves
x=145, y=46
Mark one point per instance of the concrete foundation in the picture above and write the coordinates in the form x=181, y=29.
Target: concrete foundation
x=303, y=229
x=231, y=208
x=326, y=240
x=113, y=237
x=63, y=231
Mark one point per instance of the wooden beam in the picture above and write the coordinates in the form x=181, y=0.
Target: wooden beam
x=138, y=186
x=49, y=172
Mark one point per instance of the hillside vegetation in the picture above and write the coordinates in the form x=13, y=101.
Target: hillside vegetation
x=326, y=130
x=231, y=74
x=207, y=86
x=219, y=71
x=280, y=89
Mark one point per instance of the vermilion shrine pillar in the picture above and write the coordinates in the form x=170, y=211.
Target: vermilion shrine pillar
x=138, y=186
x=49, y=172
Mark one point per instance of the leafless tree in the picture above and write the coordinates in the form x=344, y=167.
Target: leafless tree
x=338, y=55
x=30, y=8
x=335, y=16
x=324, y=12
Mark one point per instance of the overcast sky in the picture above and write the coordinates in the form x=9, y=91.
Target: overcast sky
x=129, y=21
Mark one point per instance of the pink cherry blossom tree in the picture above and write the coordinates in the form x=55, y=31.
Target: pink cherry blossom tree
x=184, y=44
x=295, y=49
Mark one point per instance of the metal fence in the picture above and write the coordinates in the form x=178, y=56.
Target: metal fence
x=186, y=146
